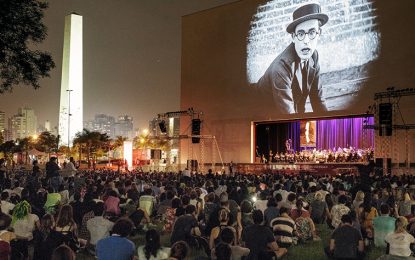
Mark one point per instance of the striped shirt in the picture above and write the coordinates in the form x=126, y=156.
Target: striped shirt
x=283, y=228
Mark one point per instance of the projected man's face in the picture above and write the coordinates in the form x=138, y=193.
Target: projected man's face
x=305, y=38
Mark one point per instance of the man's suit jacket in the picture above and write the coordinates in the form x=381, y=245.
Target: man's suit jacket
x=287, y=91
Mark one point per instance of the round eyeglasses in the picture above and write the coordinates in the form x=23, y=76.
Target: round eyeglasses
x=312, y=33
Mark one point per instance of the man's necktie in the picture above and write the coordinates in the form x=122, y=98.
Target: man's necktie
x=304, y=76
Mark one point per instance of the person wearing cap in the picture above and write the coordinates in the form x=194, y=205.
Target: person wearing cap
x=294, y=75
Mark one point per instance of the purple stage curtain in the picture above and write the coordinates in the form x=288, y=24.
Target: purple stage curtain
x=293, y=133
x=344, y=132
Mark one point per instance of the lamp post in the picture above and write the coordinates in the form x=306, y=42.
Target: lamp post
x=69, y=116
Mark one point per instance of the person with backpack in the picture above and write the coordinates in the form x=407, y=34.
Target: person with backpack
x=214, y=238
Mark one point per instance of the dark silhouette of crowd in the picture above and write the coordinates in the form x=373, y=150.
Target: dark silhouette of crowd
x=205, y=216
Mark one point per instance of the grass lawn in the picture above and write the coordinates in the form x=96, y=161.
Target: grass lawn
x=309, y=250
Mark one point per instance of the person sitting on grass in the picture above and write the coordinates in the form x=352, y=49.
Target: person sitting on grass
x=346, y=242
x=117, y=246
x=227, y=237
x=260, y=240
x=399, y=242
x=153, y=250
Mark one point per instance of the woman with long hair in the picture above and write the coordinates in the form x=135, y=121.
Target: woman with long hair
x=47, y=225
x=152, y=250
x=65, y=225
x=366, y=215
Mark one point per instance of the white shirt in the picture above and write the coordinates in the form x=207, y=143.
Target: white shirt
x=261, y=205
x=99, y=228
x=6, y=207
x=162, y=253
x=399, y=243
x=25, y=227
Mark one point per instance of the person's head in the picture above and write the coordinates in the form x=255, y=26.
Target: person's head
x=291, y=197
x=176, y=203
x=272, y=202
x=190, y=209
x=63, y=252
x=384, y=209
x=4, y=195
x=223, y=252
x=35, y=162
x=342, y=199
x=227, y=236
x=284, y=210
x=21, y=210
x=99, y=208
x=257, y=216
x=246, y=206
x=179, y=250
x=400, y=224
x=406, y=196
x=223, y=215
x=346, y=219
x=5, y=221
x=65, y=216
x=123, y=227
x=305, y=29
x=71, y=159
x=360, y=195
x=47, y=223
x=152, y=243
x=319, y=196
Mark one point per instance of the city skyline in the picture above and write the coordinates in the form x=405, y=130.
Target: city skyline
x=132, y=57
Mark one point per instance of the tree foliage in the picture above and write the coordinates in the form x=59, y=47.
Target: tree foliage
x=21, y=27
x=93, y=142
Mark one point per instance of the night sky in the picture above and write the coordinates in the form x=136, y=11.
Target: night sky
x=132, y=52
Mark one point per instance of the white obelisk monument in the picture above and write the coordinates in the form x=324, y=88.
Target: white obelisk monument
x=71, y=100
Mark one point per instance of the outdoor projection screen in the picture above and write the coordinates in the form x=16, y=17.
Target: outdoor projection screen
x=365, y=47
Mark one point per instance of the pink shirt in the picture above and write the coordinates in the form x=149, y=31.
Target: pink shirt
x=112, y=205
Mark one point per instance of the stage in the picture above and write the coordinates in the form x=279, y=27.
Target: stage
x=314, y=168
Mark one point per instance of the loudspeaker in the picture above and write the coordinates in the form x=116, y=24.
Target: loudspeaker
x=385, y=119
x=196, y=130
x=162, y=126
x=192, y=165
x=379, y=165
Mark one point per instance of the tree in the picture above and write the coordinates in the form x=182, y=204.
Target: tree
x=7, y=148
x=21, y=26
x=92, y=141
x=47, y=143
x=119, y=142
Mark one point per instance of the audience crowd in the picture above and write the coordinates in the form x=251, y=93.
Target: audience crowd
x=59, y=213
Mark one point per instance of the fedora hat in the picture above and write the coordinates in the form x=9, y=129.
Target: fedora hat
x=307, y=12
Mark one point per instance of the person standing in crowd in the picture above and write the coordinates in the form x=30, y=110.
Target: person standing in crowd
x=52, y=173
x=70, y=169
x=179, y=251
